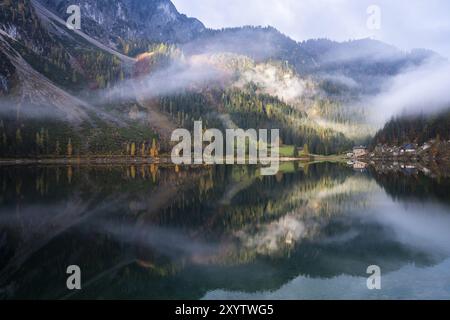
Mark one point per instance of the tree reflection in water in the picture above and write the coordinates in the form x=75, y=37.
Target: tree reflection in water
x=181, y=232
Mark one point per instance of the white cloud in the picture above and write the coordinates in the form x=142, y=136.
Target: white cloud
x=423, y=89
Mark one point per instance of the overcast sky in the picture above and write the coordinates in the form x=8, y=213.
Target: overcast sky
x=405, y=23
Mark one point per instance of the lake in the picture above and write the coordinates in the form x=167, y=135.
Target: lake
x=223, y=232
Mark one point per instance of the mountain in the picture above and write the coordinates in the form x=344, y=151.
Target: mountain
x=43, y=64
x=48, y=74
x=110, y=21
x=122, y=23
x=131, y=26
x=138, y=69
x=18, y=45
x=362, y=64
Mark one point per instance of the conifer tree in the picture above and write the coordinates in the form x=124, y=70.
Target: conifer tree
x=69, y=148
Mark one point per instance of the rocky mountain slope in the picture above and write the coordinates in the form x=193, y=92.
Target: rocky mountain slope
x=110, y=21
x=141, y=64
x=117, y=22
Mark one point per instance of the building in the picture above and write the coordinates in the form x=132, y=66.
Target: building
x=359, y=151
x=395, y=151
x=408, y=148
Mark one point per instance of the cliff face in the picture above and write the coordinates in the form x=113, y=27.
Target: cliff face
x=155, y=20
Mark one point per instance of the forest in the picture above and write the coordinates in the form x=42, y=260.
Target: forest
x=79, y=67
x=415, y=129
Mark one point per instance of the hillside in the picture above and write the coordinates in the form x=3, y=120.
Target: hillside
x=45, y=73
x=139, y=69
x=415, y=129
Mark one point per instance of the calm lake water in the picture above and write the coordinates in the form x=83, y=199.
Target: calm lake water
x=223, y=232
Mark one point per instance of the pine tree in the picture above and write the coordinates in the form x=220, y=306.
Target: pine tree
x=3, y=134
x=154, y=149
x=47, y=139
x=69, y=148
x=18, y=137
x=57, y=148
x=38, y=142
x=305, y=150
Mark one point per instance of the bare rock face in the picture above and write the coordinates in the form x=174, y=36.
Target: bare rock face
x=154, y=20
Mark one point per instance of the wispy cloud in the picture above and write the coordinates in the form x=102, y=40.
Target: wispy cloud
x=421, y=89
x=180, y=75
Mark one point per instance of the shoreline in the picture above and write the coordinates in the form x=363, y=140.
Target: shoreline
x=118, y=160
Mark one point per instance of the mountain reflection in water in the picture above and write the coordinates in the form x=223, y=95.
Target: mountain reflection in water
x=167, y=232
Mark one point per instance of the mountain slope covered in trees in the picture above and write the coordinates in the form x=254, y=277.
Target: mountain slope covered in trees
x=75, y=92
x=415, y=129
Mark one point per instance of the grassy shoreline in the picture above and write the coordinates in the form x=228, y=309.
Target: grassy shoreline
x=138, y=160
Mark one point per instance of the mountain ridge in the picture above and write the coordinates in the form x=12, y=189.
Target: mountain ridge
x=156, y=20
x=159, y=21
x=102, y=55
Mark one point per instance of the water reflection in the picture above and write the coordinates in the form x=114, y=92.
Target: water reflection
x=218, y=232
